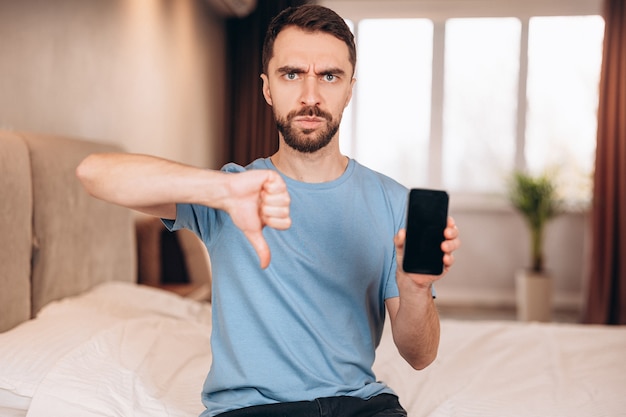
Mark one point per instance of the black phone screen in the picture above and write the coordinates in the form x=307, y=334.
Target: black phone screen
x=427, y=216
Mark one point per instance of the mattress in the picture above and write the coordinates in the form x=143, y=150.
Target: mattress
x=123, y=349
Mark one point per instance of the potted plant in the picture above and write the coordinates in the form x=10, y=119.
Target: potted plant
x=536, y=199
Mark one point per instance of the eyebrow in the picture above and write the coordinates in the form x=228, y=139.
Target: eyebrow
x=288, y=69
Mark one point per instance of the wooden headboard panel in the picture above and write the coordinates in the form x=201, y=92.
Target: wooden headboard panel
x=75, y=241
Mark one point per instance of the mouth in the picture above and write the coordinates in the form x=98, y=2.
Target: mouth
x=309, y=122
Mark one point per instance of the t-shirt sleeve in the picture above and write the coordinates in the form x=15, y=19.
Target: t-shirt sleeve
x=198, y=218
x=195, y=217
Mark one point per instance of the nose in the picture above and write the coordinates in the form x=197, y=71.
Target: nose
x=310, y=91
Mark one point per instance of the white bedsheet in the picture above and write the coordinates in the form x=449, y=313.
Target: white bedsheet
x=136, y=351
x=122, y=321
x=510, y=369
x=13, y=405
x=142, y=367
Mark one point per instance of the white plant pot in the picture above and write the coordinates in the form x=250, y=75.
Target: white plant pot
x=534, y=296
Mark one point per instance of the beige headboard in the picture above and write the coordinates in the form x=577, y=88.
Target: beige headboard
x=16, y=206
x=57, y=240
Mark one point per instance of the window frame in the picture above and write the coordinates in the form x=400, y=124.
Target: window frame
x=439, y=11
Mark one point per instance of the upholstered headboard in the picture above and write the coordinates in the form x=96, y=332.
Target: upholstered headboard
x=16, y=206
x=57, y=241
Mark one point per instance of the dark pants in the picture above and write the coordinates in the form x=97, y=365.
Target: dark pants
x=383, y=405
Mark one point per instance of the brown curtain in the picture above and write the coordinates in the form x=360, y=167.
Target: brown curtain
x=250, y=129
x=606, y=302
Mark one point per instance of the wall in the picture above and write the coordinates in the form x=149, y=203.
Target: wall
x=148, y=74
x=141, y=73
x=496, y=242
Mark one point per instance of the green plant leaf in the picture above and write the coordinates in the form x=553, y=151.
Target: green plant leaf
x=535, y=197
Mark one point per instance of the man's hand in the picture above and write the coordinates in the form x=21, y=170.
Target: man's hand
x=414, y=318
x=448, y=246
x=256, y=199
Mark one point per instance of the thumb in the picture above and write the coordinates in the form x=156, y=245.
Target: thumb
x=260, y=246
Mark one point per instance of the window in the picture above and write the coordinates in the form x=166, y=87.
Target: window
x=481, y=74
x=394, y=138
x=564, y=59
x=457, y=98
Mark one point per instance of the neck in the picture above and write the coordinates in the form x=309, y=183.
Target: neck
x=325, y=165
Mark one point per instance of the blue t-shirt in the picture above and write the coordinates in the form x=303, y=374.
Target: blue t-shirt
x=308, y=325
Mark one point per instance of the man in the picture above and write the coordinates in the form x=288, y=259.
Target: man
x=295, y=336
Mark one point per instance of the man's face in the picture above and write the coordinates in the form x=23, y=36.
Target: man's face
x=309, y=83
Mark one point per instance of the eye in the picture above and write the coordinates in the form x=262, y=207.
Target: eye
x=291, y=75
x=330, y=77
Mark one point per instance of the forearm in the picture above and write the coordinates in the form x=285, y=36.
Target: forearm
x=147, y=183
x=416, y=327
x=414, y=317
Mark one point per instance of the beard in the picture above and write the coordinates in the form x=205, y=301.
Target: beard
x=305, y=140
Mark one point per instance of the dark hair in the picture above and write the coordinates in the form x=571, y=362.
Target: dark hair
x=311, y=18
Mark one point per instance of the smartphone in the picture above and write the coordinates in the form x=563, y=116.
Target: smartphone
x=426, y=219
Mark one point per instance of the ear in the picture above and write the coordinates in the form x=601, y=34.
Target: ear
x=266, y=89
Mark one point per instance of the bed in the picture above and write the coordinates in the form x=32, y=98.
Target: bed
x=80, y=337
